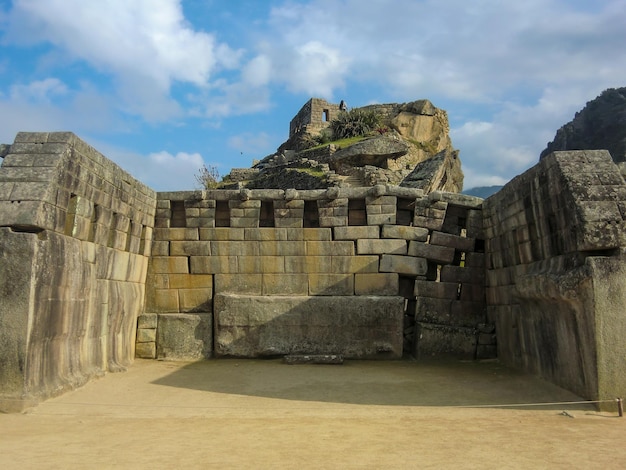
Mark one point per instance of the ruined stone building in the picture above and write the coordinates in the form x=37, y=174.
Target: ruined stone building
x=96, y=269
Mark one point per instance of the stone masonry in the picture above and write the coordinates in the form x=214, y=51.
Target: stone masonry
x=96, y=268
x=337, y=271
x=75, y=236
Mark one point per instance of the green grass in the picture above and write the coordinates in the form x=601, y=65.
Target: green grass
x=340, y=144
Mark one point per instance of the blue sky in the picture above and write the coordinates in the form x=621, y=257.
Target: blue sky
x=163, y=86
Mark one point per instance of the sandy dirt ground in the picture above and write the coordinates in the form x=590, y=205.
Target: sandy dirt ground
x=266, y=414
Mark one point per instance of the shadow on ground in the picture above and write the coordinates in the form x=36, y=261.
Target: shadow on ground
x=393, y=383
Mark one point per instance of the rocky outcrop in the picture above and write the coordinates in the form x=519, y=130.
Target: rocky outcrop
x=600, y=125
x=440, y=173
x=409, y=134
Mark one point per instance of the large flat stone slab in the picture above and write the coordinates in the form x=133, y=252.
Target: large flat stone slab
x=353, y=326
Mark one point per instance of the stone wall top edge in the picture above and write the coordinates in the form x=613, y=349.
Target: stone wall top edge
x=311, y=194
x=110, y=170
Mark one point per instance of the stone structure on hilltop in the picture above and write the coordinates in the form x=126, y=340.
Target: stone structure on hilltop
x=96, y=268
x=601, y=124
x=413, y=139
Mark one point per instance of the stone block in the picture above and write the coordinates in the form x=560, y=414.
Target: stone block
x=453, y=241
x=354, y=264
x=282, y=248
x=145, y=350
x=462, y=274
x=308, y=264
x=437, y=290
x=185, y=336
x=239, y=283
x=331, y=284
x=165, y=300
x=190, y=248
x=169, y=264
x=381, y=219
x=196, y=300
x=244, y=222
x=437, y=254
x=403, y=265
x=473, y=292
x=250, y=326
x=376, y=284
x=330, y=221
x=319, y=234
x=354, y=232
x=432, y=310
x=371, y=247
x=146, y=335
x=468, y=314
x=333, y=248
x=179, y=234
x=475, y=260
x=190, y=281
x=265, y=234
x=405, y=233
x=213, y=264
x=431, y=223
x=261, y=264
x=235, y=248
x=147, y=320
x=445, y=341
x=222, y=234
x=285, y=284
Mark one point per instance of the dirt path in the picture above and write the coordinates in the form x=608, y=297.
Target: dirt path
x=264, y=414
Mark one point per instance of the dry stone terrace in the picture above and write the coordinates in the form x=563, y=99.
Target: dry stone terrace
x=97, y=268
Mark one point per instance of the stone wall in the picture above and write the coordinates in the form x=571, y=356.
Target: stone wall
x=75, y=235
x=364, y=272
x=555, y=272
x=95, y=267
x=315, y=115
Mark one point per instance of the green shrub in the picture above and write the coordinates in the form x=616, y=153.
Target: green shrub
x=355, y=122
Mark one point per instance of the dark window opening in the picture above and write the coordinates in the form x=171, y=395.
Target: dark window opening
x=129, y=236
x=266, y=216
x=326, y=115
x=178, y=214
x=222, y=214
x=404, y=211
x=356, y=212
x=93, y=222
x=142, y=241
x=112, y=231
x=70, y=218
x=311, y=215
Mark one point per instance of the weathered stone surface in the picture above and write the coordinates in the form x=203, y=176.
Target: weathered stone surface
x=369, y=247
x=313, y=359
x=376, y=284
x=440, y=341
x=375, y=151
x=405, y=233
x=145, y=350
x=185, y=336
x=403, y=265
x=439, y=173
x=250, y=326
x=438, y=254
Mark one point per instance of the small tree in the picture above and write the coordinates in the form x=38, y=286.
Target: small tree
x=208, y=177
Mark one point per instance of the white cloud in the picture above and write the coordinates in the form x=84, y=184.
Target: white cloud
x=146, y=45
x=38, y=90
x=162, y=171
